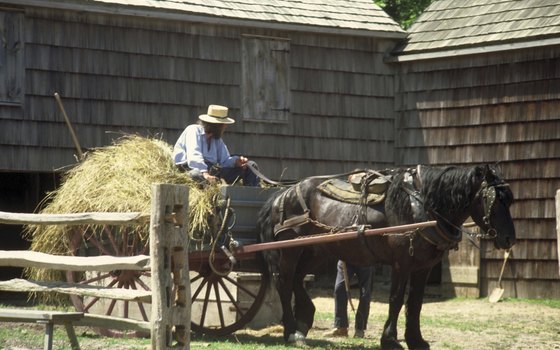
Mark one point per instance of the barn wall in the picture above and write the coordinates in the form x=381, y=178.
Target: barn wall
x=137, y=75
x=480, y=109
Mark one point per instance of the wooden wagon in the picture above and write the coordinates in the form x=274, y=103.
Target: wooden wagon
x=227, y=287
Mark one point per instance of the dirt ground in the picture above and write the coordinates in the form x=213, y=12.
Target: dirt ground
x=469, y=324
x=454, y=324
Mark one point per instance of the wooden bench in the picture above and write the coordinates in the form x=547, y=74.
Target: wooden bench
x=49, y=319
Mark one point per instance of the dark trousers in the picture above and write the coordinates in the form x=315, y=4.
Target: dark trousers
x=364, y=275
x=232, y=174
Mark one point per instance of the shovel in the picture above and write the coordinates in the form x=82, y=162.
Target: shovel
x=497, y=293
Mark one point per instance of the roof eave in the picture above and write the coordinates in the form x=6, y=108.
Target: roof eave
x=427, y=55
x=156, y=13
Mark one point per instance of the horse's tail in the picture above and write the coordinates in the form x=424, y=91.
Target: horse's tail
x=268, y=259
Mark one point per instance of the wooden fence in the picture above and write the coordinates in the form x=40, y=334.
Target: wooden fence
x=170, y=287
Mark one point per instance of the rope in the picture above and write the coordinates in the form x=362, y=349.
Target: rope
x=212, y=254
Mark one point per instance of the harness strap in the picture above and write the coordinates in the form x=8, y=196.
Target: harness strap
x=294, y=221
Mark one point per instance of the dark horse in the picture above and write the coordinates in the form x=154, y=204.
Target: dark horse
x=448, y=195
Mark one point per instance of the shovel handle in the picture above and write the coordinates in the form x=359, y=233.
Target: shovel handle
x=72, y=132
x=506, y=255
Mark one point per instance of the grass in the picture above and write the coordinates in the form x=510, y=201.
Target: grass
x=449, y=331
x=553, y=303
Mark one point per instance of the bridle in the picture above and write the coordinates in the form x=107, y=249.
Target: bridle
x=488, y=193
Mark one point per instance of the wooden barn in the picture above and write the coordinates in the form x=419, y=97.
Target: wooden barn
x=306, y=82
x=479, y=81
x=316, y=87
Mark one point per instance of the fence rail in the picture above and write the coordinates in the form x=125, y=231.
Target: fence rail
x=170, y=317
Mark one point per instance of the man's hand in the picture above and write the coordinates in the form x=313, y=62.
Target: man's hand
x=209, y=178
x=241, y=162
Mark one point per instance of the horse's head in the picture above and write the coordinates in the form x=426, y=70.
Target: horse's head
x=490, y=209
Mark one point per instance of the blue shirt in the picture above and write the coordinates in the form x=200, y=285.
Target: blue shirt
x=193, y=150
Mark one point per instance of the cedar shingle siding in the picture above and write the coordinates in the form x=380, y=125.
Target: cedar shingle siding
x=479, y=81
x=473, y=81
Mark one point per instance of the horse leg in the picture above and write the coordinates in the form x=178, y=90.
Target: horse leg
x=285, y=286
x=396, y=300
x=303, y=308
x=413, y=335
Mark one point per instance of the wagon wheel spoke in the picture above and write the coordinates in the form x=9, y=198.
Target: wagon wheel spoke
x=125, y=249
x=119, y=242
x=141, y=283
x=111, y=308
x=96, y=299
x=98, y=245
x=96, y=279
x=230, y=313
x=231, y=298
x=219, y=304
x=140, y=305
x=133, y=248
x=240, y=286
x=205, y=305
x=90, y=304
x=198, y=290
x=109, y=234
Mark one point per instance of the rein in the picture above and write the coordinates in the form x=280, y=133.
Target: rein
x=255, y=169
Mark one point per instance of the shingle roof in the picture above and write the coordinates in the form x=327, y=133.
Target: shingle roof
x=459, y=24
x=342, y=15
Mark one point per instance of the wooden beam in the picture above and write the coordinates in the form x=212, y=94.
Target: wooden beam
x=328, y=238
x=21, y=285
x=102, y=263
x=92, y=320
x=74, y=219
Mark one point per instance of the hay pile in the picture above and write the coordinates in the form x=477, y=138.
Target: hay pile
x=116, y=178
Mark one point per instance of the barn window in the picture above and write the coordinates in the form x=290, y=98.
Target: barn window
x=11, y=57
x=265, y=78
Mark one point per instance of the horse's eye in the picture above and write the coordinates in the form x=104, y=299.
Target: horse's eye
x=506, y=197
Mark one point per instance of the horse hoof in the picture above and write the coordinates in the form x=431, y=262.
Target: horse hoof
x=296, y=337
x=391, y=344
x=419, y=345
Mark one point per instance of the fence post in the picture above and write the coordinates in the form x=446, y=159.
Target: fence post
x=171, y=299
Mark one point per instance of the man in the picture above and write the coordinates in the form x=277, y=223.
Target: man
x=364, y=275
x=201, y=151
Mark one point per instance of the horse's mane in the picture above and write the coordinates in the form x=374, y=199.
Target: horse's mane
x=451, y=189
x=447, y=190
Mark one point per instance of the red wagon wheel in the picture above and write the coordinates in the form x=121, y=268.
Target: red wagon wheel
x=221, y=303
x=121, y=241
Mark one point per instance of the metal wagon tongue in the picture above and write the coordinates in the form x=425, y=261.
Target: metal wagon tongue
x=497, y=293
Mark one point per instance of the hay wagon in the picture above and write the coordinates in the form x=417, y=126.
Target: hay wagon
x=227, y=287
x=226, y=291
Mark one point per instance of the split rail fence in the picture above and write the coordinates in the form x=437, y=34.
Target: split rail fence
x=169, y=324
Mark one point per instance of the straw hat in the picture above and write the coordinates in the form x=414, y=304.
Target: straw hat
x=217, y=115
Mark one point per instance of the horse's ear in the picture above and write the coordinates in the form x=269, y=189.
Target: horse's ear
x=480, y=171
x=489, y=173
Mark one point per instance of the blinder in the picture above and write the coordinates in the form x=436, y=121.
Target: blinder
x=489, y=195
